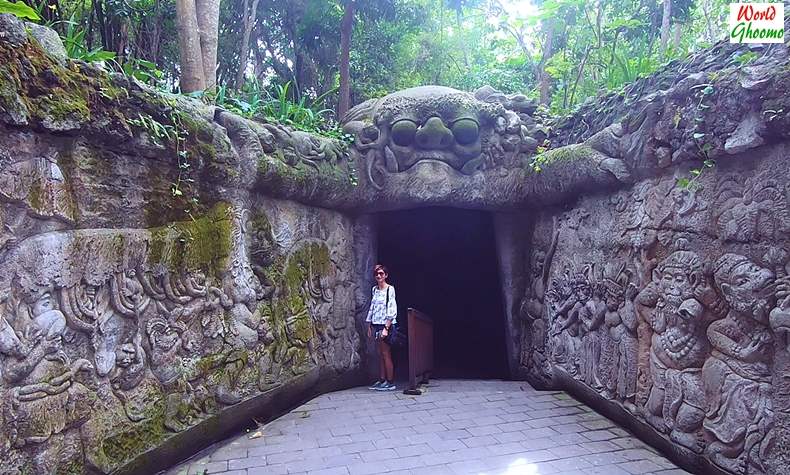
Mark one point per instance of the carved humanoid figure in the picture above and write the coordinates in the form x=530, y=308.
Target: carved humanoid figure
x=619, y=352
x=570, y=295
x=676, y=403
x=626, y=335
x=533, y=310
x=129, y=365
x=777, y=457
x=737, y=376
x=241, y=285
x=591, y=316
x=164, y=338
x=46, y=399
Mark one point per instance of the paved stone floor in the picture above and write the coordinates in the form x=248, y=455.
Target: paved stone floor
x=456, y=427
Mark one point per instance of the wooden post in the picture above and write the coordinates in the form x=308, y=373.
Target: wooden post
x=420, y=350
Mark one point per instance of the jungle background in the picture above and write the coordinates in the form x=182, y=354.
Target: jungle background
x=305, y=62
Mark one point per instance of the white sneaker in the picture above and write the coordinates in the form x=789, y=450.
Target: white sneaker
x=387, y=386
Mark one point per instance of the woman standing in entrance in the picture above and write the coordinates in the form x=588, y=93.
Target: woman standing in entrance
x=381, y=317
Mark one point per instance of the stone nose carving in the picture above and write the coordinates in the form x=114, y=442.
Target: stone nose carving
x=433, y=135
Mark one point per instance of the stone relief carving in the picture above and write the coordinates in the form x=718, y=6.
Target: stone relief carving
x=532, y=311
x=102, y=357
x=49, y=392
x=620, y=344
x=737, y=375
x=568, y=297
x=676, y=402
x=433, y=123
x=695, y=298
x=752, y=208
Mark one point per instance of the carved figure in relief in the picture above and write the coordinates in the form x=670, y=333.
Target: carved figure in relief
x=777, y=455
x=128, y=381
x=532, y=310
x=466, y=132
x=241, y=285
x=173, y=371
x=619, y=351
x=676, y=402
x=591, y=316
x=737, y=375
x=753, y=209
x=164, y=338
x=130, y=365
x=568, y=297
x=46, y=399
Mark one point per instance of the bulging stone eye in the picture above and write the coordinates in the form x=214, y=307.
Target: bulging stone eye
x=403, y=132
x=465, y=131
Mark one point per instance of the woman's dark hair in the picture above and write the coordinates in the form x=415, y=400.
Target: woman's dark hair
x=380, y=267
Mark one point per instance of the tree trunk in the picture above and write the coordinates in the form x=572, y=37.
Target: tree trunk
x=346, y=27
x=89, y=34
x=665, y=24
x=191, y=58
x=677, y=34
x=544, y=79
x=244, y=53
x=208, y=25
x=97, y=6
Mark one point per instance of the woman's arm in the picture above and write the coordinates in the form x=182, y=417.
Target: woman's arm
x=391, y=313
x=369, y=318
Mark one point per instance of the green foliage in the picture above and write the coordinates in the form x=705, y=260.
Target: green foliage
x=276, y=104
x=19, y=10
x=693, y=183
x=173, y=135
x=74, y=42
x=142, y=70
x=569, y=49
x=746, y=58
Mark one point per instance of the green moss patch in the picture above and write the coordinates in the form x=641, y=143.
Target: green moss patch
x=200, y=244
x=139, y=438
x=569, y=153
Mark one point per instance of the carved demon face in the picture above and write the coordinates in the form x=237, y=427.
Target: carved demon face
x=125, y=355
x=538, y=261
x=436, y=124
x=743, y=285
x=678, y=276
x=675, y=283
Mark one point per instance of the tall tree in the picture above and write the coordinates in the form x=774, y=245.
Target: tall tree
x=249, y=20
x=198, y=30
x=191, y=55
x=665, y=24
x=544, y=78
x=346, y=27
x=208, y=25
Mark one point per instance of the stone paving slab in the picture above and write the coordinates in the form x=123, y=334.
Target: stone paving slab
x=457, y=427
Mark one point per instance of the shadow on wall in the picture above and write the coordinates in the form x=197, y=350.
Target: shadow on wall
x=443, y=262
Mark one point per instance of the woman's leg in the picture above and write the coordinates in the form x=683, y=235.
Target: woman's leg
x=382, y=361
x=387, y=358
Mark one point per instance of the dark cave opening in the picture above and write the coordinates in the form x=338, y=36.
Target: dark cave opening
x=443, y=262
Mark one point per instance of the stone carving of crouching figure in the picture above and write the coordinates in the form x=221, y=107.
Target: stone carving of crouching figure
x=676, y=404
x=737, y=376
x=46, y=400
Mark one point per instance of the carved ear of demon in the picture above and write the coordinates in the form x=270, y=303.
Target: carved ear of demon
x=429, y=123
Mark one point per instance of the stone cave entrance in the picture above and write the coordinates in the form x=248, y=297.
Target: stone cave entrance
x=443, y=261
